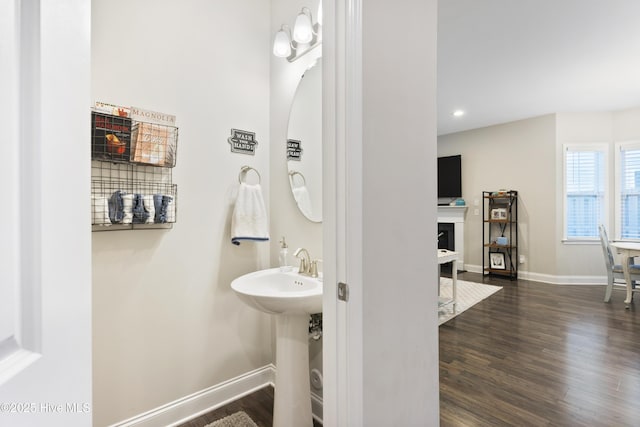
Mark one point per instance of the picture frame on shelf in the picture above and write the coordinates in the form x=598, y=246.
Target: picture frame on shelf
x=497, y=261
x=499, y=213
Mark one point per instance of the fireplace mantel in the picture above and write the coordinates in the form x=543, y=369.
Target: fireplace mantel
x=455, y=215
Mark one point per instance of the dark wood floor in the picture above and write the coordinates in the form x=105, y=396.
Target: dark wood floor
x=530, y=355
x=258, y=405
x=541, y=355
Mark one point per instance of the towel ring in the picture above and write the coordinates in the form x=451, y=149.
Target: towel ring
x=244, y=170
x=292, y=173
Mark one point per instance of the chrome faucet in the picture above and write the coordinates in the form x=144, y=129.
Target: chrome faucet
x=307, y=267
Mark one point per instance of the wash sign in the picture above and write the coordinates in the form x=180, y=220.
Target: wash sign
x=242, y=141
x=294, y=151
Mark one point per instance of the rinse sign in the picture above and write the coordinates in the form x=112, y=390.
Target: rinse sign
x=242, y=141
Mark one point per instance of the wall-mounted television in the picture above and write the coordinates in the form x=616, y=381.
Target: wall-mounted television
x=450, y=177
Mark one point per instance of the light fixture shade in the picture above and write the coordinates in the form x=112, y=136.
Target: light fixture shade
x=302, y=30
x=281, y=44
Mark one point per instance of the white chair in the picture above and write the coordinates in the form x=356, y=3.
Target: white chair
x=614, y=271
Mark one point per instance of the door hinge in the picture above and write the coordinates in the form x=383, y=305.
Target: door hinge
x=343, y=292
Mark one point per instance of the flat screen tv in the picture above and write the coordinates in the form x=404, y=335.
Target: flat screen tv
x=450, y=177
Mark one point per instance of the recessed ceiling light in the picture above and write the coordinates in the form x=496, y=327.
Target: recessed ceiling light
x=458, y=113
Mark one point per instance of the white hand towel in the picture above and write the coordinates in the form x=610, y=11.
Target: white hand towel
x=127, y=204
x=171, y=209
x=301, y=194
x=149, y=207
x=249, y=219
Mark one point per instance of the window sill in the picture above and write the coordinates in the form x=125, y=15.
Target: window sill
x=580, y=241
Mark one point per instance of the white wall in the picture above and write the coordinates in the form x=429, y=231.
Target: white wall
x=166, y=322
x=397, y=169
x=518, y=156
x=626, y=125
x=594, y=127
x=286, y=219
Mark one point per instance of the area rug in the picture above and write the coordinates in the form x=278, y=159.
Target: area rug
x=468, y=294
x=239, y=419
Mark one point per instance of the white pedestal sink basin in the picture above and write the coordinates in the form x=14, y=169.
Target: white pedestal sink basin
x=292, y=298
x=275, y=292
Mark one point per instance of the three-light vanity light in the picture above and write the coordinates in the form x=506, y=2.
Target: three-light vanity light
x=306, y=35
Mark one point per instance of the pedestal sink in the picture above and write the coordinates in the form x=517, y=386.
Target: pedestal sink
x=291, y=297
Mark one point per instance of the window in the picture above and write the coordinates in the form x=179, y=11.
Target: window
x=628, y=190
x=585, y=181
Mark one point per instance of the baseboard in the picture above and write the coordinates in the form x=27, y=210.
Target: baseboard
x=548, y=278
x=196, y=404
x=473, y=268
x=564, y=280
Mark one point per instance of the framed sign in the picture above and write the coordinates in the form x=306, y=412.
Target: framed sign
x=499, y=213
x=294, y=149
x=242, y=141
x=496, y=260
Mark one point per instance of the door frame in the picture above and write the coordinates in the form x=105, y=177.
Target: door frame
x=342, y=202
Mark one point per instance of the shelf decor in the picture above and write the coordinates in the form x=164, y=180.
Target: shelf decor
x=496, y=260
x=499, y=213
x=500, y=233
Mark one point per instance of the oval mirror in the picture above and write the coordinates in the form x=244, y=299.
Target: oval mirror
x=304, y=144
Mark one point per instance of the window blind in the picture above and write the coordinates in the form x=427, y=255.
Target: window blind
x=585, y=183
x=629, y=193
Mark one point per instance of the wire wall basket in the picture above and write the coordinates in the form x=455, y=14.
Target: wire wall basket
x=124, y=140
x=131, y=176
x=133, y=204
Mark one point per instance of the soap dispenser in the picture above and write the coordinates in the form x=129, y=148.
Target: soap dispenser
x=282, y=258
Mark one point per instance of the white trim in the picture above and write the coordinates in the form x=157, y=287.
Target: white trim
x=20, y=219
x=617, y=167
x=563, y=280
x=351, y=348
x=194, y=405
x=551, y=279
x=201, y=402
x=17, y=360
x=332, y=123
x=342, y=190
x=580, y=242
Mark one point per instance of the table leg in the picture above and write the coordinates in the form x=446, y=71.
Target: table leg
x=627, y=276
x=454, y=284
x=439, y=273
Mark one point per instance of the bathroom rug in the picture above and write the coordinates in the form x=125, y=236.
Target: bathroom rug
x=238, y=419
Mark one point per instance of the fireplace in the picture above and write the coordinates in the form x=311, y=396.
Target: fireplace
x=446, y=240
x=452, y=218
x=446, y=233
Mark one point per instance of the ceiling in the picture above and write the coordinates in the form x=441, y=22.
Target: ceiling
x=506, y=60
